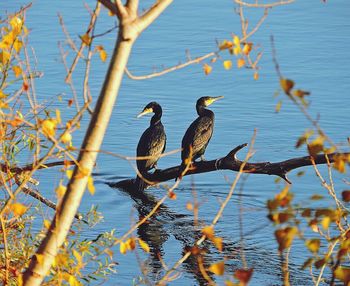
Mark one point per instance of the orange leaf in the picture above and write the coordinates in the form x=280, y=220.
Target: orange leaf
x=130, y=243
x=256, y=76
x=208, y=231
x=18, y=209
x=86, y=39
x=217, y=242
x=225, y=45
x=217, y=268
x=316, y=146
x=17, y=71
x=189, y=206
x=172, y=195
x=207, y=69
x=240, y=63
x=244, y=275
x=286, y=85
x=247, y=48
x=285, y=236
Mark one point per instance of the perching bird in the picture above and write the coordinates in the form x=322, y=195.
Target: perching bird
x=153, y=141
x=198, y=135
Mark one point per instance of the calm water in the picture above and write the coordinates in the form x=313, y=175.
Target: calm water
x=312, y=43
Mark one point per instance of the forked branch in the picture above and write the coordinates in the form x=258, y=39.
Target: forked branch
x=231, y=162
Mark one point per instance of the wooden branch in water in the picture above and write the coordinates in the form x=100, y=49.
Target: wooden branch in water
x=231, y=162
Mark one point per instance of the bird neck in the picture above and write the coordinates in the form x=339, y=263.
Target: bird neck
x=202, y=111
x=157, y=115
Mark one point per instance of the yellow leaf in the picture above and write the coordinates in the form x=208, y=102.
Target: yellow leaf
x=2, y=94
x=17, y=71
x=16, y=24
x=66, y=138
x=69, y=174
x=4, y=57
x=103, y=55
x=343, y=274
x=58, y=116
x=286, y=85
x=40, y=258
x=86, y=39
x=109, y=252
x=47, y=223
x=17, y=45
x=73, y=281
x=217, y=242
x=18, y=209
x=82, y=172
x=122, y=248
x=3, y=104
x=240, y=63
x=60, y=190
x=256, y=76
x=278, y=106
x=90, y=185
x=227, y=64
x=48, y=126
x=339, y=164
x=217, y=268
x=313, y=245
x=207, y=69
x=237, y=50
x=79, y=258
x=189, y=206
x=208, y=231
x=143, y=245
x=326, y=222
x=236, y=40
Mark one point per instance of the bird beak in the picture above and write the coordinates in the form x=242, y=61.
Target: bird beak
x=212, y=100
x=144, y=112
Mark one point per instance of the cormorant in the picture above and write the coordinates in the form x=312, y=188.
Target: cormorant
x=198, y=135
x=153, y=140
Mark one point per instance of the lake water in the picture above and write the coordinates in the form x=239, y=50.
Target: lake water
x=312, y=43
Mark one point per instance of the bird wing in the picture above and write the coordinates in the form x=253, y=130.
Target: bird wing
x=197, y=135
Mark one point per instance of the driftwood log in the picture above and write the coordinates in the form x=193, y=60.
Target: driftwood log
x=231, y=162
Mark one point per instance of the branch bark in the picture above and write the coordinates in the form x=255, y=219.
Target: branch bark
x=130, y=26
x=231, y=162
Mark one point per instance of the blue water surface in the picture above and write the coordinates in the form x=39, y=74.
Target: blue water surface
x=312, y=44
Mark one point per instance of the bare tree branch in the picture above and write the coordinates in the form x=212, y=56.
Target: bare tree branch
x=230, y=162
x=267, y=5
x=173, y=68
x=153, y=13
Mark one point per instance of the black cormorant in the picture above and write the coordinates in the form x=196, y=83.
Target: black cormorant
x=198, y=135
x=153, y=140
